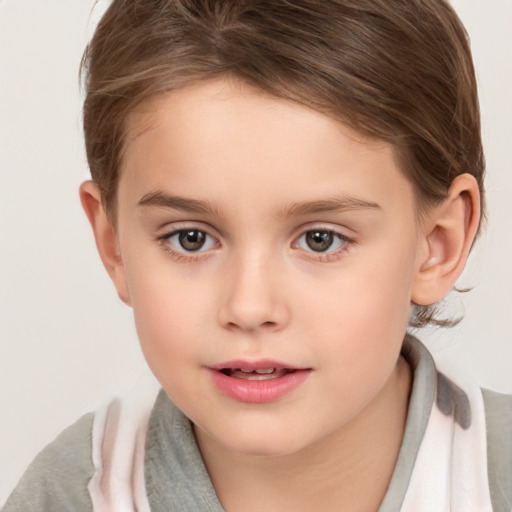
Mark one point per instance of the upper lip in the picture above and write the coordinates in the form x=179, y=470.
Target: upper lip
x=249, y=366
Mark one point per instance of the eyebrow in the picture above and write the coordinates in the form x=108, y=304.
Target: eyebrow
x=334, y=205
x=162, y=200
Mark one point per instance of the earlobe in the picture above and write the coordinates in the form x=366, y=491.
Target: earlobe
x=105, y=236
x=450, y=229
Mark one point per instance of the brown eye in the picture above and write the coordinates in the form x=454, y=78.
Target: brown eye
x=188, y=241
x=191, y=240
x=319, y=241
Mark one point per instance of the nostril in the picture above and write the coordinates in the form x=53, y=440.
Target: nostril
x=247, y=327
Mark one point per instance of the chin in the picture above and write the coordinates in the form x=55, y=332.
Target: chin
x=265, y=444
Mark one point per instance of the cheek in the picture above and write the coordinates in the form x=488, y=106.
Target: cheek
x=170, y=312
x=170, y=337
x=357, y=333
x=364, y=308
x=369, y=298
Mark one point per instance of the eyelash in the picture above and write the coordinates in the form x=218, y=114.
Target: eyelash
x=193, y=256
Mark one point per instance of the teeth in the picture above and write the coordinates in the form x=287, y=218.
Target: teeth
x=262, y=370
x=258, y=374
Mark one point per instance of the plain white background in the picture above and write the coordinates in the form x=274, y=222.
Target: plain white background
x=66, y=341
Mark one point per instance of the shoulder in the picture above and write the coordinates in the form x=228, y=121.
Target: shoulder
x=467, y=439
x=96, y=464
x=498, y=418
x=58, y=477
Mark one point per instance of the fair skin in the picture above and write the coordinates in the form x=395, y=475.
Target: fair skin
x=304, y=247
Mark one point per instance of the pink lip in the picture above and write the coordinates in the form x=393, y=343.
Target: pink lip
x=257, y=391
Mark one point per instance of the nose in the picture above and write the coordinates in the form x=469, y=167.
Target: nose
x=253, y=297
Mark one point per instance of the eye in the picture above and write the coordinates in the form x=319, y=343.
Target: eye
x=321, y=240
x=190, y=240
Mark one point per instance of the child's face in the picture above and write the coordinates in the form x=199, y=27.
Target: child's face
x=255, y=231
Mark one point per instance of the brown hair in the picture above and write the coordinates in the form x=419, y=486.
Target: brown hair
x=398, y=70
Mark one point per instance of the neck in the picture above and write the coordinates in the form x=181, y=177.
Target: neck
x=348, y=470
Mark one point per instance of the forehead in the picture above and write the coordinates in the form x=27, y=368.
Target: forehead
x=254, y=145
x=232, y=100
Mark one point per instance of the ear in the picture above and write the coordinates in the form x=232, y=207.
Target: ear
x=105, y=236
x=450, y=230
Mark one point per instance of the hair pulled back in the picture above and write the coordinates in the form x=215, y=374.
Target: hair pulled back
x=398, y=70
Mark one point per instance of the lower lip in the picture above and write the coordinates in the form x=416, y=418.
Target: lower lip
x=258, y=391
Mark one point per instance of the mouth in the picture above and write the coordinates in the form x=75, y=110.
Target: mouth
x=257, y=374
x=257, y=382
